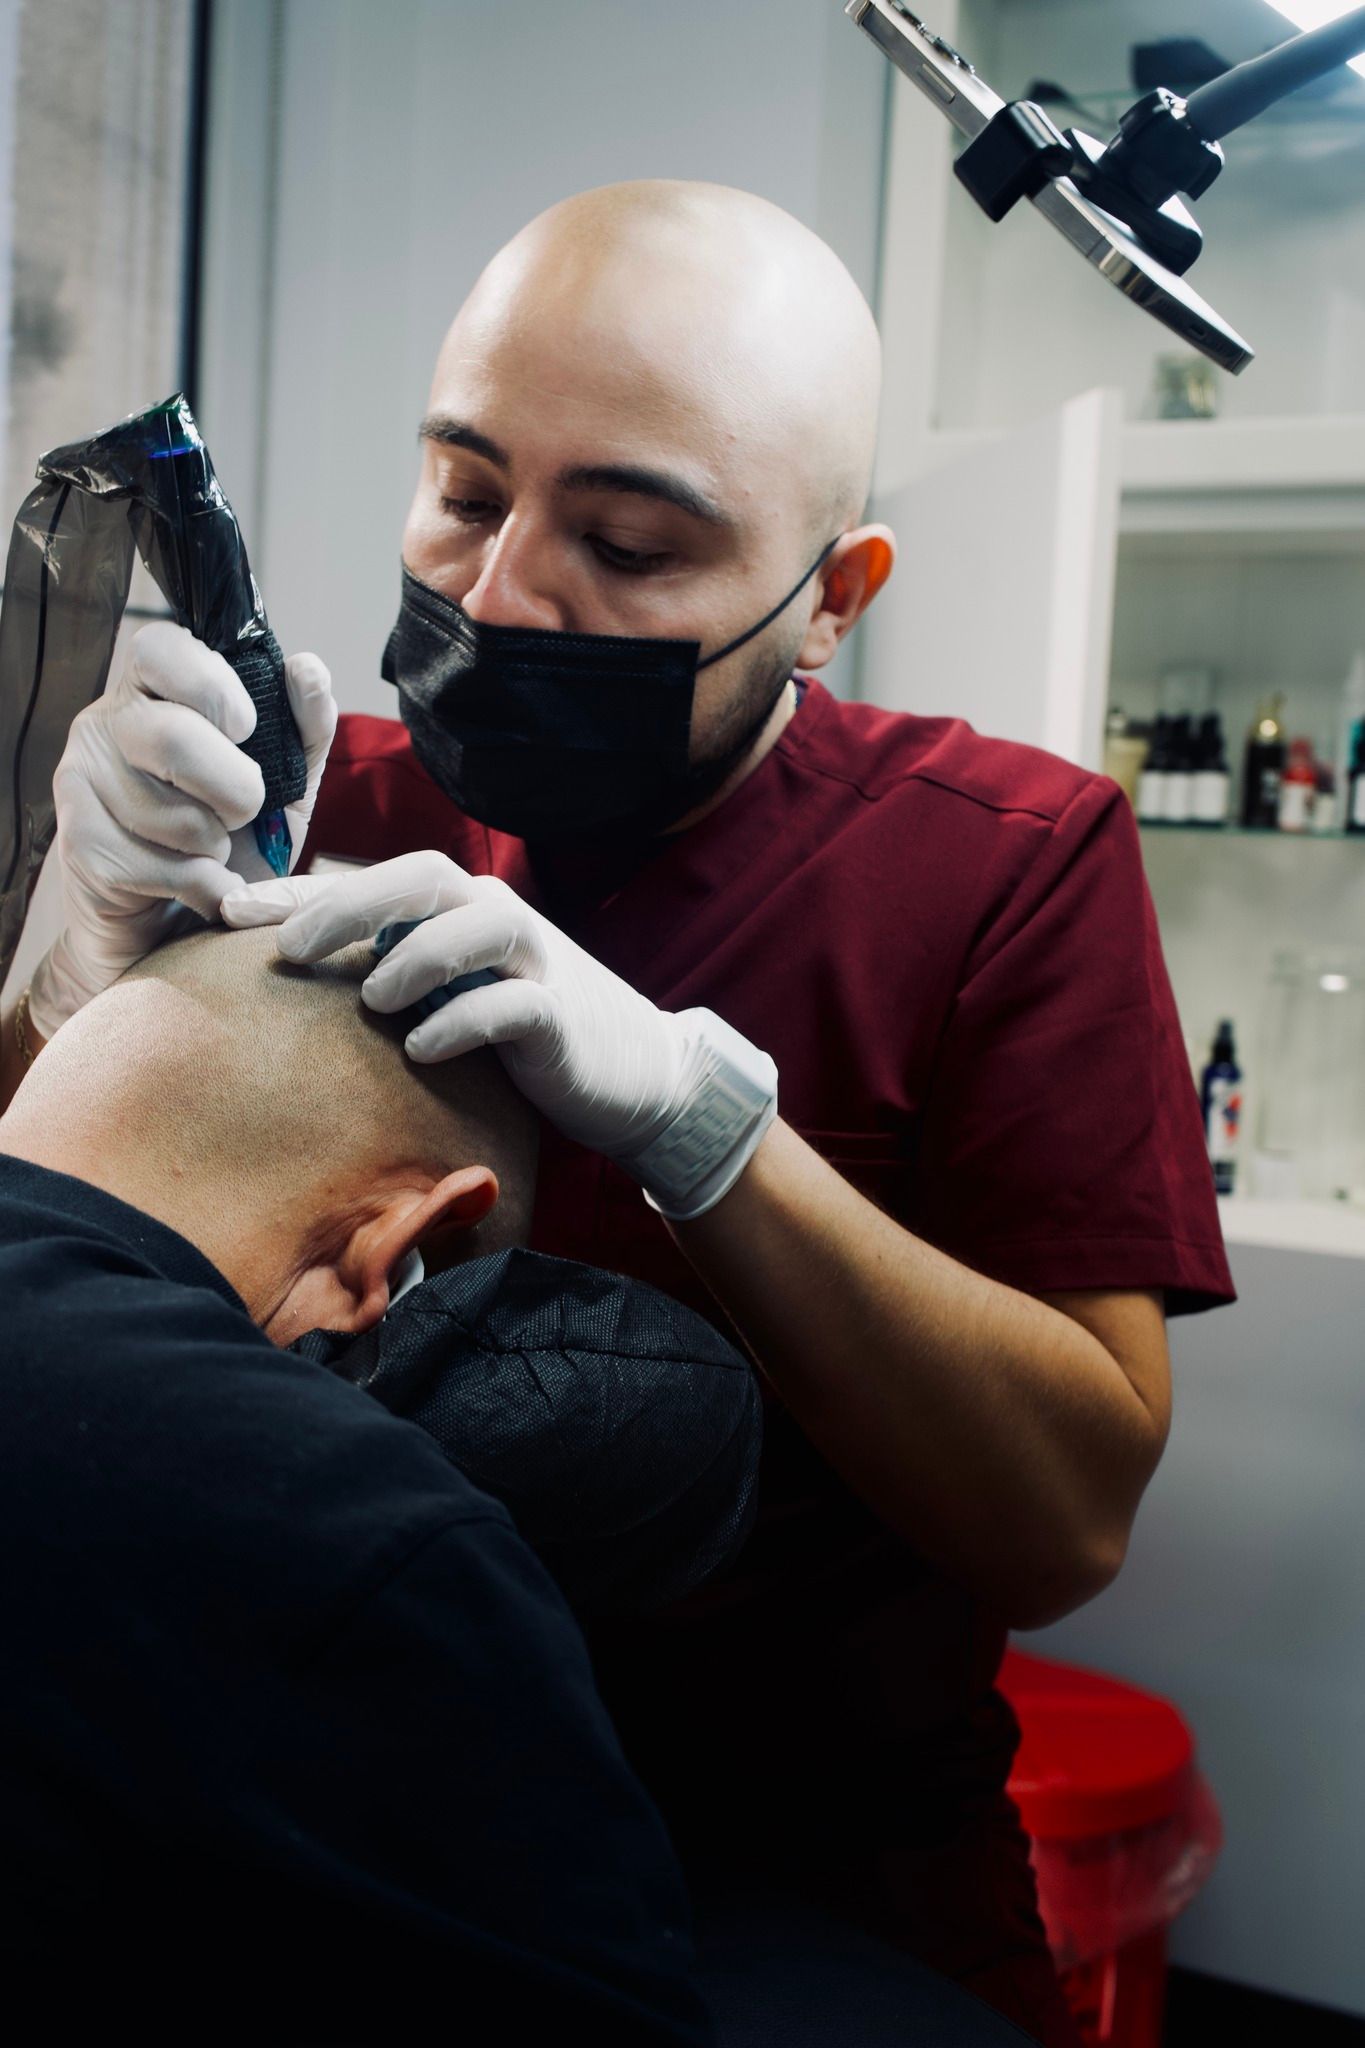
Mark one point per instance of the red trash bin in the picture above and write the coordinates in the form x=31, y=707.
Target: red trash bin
x=1125, y=1832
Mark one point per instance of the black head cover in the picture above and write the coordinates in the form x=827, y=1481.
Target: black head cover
x=621, y=1431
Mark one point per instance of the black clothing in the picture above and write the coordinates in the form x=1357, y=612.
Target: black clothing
x=619, y=1428
x=298, y=1734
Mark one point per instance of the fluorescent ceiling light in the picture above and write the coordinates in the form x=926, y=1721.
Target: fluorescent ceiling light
x=1315, y=14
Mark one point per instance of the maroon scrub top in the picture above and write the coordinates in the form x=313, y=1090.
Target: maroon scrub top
x=948, y=946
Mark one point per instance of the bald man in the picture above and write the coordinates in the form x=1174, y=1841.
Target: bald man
x=295, y=1723
x=710, y=893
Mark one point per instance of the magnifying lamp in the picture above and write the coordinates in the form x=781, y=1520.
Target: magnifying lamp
x=1121, y=204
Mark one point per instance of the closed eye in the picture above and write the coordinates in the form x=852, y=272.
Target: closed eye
x=627, y=561
x=630, y=561
x=471, y=510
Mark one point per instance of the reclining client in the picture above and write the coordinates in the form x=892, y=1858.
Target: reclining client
x=300, y=1732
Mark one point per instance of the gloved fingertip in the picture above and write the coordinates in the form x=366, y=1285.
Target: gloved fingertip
x=294, y=944
x=239, y=713
x=241, y=911
x=379, y=995
x=309, y=674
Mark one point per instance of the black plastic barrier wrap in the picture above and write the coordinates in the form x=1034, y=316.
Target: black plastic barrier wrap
x=147, y=486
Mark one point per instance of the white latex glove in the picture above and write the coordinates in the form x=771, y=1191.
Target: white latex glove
x=679, y=1101
x=154, y=807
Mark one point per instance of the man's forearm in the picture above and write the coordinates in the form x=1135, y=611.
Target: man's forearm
x=992, y=1431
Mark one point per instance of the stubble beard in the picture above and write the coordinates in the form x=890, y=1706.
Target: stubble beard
x=741, y=725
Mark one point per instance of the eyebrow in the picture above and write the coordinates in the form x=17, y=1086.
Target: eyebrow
x=646, y=483
x=628, y=477
x=452, y=433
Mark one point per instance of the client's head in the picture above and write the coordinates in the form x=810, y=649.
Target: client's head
x=260, y=1109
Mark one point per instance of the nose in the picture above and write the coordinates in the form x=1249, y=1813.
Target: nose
x=515, y=583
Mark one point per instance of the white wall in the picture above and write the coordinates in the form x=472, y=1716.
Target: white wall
x=1240, y=1600
x=412, y=139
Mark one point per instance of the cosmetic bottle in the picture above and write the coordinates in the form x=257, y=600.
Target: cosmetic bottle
x=1220, y=1093
x=1211, y=780
x=1151, y=802
x=1297, y=785
x=1126, y=746
x=1355, y=789
x=1264, y=766
x=1325, y=818
x=1177, y=788
x=1352, y=717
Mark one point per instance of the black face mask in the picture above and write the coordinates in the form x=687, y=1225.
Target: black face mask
x=542, y=733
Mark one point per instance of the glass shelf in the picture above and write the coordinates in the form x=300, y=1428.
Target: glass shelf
x=1231, y=831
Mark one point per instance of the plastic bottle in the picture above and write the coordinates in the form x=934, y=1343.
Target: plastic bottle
x=1125, y=752
x=1209, y=804
x=1352, y=715
x=1325, y=818
x=1220, y=1092
x=1151, y=803
x=1355, y=788
x=1297, y=786
x=1264, y=766
x=1177, y=787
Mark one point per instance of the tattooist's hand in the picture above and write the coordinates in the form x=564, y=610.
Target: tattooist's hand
x=154, y=807
x=678, y=1100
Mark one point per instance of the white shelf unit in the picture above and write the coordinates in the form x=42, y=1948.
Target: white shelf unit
x=1238, y=542
x=1259, y=455
x=1299, y=482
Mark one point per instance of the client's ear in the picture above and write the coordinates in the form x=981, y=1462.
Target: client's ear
x=349, y=1288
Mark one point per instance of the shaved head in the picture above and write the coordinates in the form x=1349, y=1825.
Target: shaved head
x=703, y=301
x=279, y=1086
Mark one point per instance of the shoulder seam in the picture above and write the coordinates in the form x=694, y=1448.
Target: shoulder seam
x=919, y=774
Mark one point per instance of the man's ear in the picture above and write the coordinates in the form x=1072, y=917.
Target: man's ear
x=348, y=1287
x=859, y=564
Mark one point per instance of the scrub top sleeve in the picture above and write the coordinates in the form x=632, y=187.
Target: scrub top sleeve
x=1062, y=1145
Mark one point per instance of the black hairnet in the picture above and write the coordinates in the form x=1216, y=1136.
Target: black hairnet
x=619, y=1428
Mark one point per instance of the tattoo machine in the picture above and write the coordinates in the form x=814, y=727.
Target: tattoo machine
x=147, y=487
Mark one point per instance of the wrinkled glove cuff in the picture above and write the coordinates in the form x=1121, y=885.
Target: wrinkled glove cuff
x=732, y=1100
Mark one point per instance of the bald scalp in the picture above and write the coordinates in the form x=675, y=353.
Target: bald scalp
x=709, y=297
x=280, y=1080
